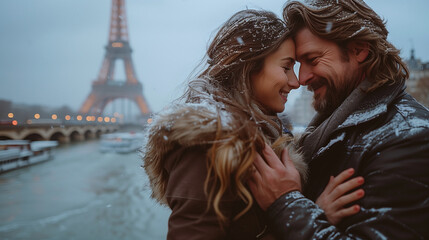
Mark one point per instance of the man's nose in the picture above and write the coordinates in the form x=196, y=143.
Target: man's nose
x=305, y=75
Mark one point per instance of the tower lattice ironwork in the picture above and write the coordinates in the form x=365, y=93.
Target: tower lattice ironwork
x=105, y=88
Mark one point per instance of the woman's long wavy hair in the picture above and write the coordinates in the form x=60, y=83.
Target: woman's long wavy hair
x=236, y=52
x=350, y=20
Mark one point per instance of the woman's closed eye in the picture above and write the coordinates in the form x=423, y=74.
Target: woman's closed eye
x=287, y=68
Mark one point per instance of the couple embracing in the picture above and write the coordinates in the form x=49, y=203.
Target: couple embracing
x=228, y=166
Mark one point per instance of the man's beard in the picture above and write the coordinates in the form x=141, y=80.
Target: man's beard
x=334, y=96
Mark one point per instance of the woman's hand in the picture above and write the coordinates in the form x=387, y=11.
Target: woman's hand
x=334, y=197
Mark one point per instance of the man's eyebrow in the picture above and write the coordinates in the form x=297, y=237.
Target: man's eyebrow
x=302, y=56
x=305, y=55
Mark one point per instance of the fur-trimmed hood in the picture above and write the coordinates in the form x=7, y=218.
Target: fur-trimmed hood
x=183, y=125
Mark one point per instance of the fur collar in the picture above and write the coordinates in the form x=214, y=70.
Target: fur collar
x=184, y=125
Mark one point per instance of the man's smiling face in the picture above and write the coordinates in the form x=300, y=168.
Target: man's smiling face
x=328, y=71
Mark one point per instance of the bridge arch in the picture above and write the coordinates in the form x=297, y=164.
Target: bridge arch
x=98, y=133
x=34, y=137
x=89, y=134
x=76, y=136
x=60, y=137
x=5, y=138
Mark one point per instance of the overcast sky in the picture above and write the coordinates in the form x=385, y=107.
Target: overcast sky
x=51, y=50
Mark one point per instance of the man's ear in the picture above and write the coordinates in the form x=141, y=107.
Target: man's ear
x=359, y=50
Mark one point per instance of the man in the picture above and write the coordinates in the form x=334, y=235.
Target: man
x=365, y=121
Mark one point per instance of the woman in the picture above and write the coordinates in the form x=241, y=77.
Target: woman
x=200, y=153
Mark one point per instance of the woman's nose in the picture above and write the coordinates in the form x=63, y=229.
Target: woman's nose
x=293, y=81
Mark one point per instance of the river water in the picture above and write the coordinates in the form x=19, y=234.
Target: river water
x=80, y=194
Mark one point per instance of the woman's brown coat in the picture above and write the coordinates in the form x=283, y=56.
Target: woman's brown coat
x=175, y=159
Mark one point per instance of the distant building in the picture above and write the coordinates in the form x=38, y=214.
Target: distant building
x=418, y=70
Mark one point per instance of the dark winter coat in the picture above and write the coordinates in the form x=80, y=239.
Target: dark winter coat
x=384, y=136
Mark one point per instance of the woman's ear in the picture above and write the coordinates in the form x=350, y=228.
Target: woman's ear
x=359, y=50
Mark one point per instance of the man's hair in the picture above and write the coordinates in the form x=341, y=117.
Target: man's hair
x=350, y=20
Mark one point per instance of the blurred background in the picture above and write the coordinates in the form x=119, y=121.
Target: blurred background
x=82, y=78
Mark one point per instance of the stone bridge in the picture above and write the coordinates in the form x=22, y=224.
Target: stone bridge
x=60, y=133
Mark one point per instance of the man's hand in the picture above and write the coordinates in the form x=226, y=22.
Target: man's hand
x=272, y=177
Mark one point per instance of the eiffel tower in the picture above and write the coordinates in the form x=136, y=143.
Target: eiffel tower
x=105, y=89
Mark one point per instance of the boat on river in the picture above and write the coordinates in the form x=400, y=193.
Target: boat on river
x=16, y=154
x=124, y=142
